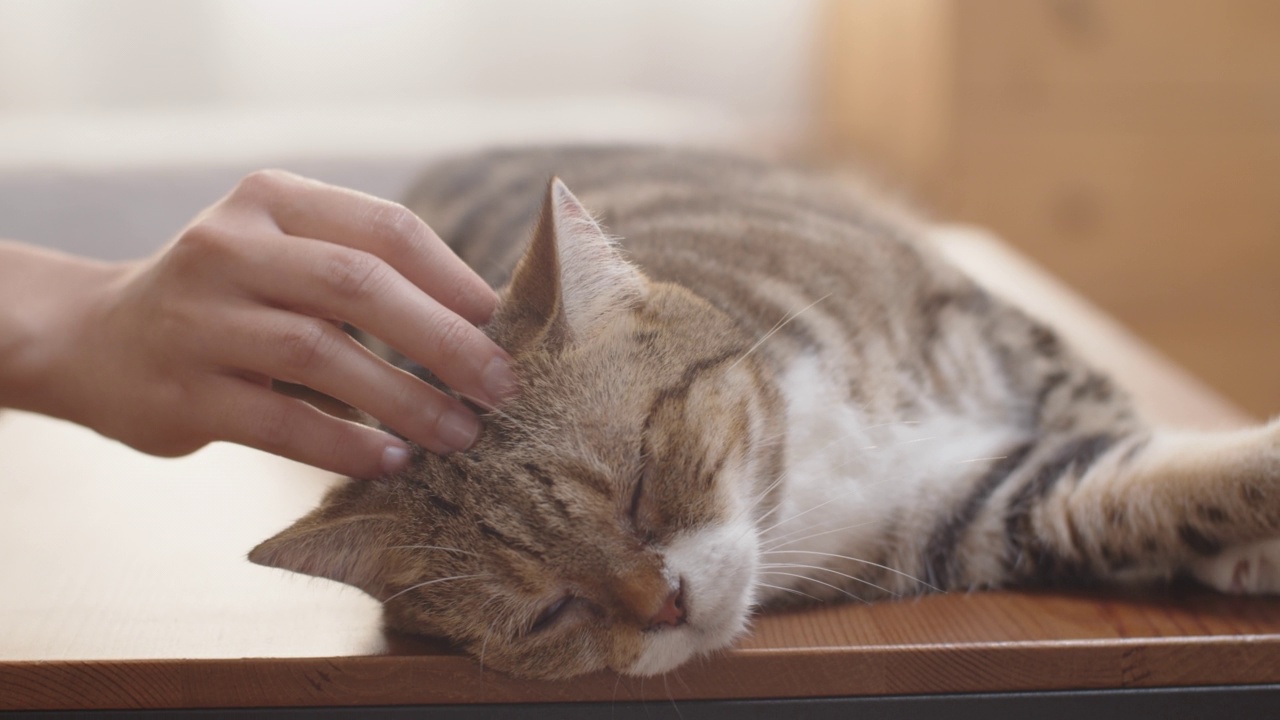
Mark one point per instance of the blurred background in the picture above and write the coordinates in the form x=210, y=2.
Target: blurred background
x=1132, y=147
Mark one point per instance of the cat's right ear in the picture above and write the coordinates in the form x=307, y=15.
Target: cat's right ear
x=571, y=278
x=334, y=541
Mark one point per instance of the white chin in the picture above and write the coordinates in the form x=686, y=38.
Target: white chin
x=718, y=566
x=664, y=650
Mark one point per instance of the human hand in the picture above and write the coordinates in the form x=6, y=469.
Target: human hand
x=180, y=349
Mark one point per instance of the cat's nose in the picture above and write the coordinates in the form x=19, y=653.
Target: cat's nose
x=672, y=612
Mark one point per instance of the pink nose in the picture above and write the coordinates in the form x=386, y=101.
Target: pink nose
x=672, y=612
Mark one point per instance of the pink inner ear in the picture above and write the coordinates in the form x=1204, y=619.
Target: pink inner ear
x=567, y=205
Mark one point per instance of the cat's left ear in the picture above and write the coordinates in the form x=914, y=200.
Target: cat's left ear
x=334, y=541
x=572, y=277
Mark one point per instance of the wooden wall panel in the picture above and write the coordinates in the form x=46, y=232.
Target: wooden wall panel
x=1131, y=146
x=1095, y=45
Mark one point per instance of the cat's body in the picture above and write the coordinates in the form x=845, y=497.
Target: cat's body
x=797, y=401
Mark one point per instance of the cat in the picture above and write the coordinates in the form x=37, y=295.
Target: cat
x=771, y=392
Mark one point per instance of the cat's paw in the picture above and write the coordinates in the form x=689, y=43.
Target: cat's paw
x=1252, y=569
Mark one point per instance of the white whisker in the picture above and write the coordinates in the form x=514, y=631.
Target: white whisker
x=891, y=424
x=431, y=547
x=759, y=498
x=789, y=538
x=667, y=687
x=484, y=644
x=831, y=570
x=433, y=582
x=982, y=459
x=617, y=681
x=854, y=559
x=814, y=580
x=680, y=678
x=781, y=323
x=856, y=488
x=785, y=474
x=787, y=589
x=806, y=512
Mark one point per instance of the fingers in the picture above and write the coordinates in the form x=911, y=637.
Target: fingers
x=250, y=415
x=312, y=352
x=330, y=281
x=387, y=230
x=304, y=254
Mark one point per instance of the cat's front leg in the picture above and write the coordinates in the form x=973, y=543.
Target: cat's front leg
x=1250, y=569
x=1207, y=504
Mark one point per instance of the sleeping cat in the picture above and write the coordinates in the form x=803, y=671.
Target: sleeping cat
x=771, y=391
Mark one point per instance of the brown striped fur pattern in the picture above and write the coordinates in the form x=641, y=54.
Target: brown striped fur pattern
x=769, y=391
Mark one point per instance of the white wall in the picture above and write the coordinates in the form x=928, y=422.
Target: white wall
x=748, y=56
x=119, y=119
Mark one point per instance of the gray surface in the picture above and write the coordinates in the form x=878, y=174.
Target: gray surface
x=1243, y=702
x=121, y=214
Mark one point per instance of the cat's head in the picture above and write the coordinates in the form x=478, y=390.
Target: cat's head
x=606, y=517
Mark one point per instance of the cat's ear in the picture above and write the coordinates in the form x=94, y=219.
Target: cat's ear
x=571, y=278
x=336, y=542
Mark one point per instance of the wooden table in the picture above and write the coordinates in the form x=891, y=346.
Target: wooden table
x=123, y=585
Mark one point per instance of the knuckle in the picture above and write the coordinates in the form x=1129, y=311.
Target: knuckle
x=414, y=409
x=418, y=413
x=272, y=429
x=263, y=183
x=304, y=347
x=396, y=228
x=458, y=293
x=346, y=447
x=353, y=275
x=453, y=338
x=204, y=241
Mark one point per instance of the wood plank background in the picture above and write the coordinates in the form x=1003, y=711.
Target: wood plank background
x=1132, y=147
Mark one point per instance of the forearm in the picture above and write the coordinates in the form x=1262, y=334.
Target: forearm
x=45, y=299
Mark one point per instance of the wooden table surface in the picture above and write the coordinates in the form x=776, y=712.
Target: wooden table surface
x=123, y=584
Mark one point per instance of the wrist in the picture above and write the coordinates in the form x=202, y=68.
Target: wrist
x=46, y=306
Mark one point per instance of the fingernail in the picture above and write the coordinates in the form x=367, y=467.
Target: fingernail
x=394, y=457
x=459, y=429
x=498, y=381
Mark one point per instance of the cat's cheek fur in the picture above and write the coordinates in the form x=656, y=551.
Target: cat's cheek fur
x=718, y=565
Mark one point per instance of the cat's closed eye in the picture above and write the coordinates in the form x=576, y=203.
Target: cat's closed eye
x=641, y=521
x=550, y=614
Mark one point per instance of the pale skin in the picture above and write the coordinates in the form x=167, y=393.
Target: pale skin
x=170, y=353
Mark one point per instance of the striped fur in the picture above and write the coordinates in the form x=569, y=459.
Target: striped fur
x=770, y=392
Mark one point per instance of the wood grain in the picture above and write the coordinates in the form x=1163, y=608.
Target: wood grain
x=123, y=584
x=981, y=643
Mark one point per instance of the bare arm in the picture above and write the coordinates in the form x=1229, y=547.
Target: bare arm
x=175, y=351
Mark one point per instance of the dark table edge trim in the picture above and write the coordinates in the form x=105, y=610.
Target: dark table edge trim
x=815, y=672
x=1242, y=702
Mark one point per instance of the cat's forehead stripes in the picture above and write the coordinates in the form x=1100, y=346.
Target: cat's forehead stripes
x=678, y=391
x=447, y=507
x=520, y=545
x=580, y=475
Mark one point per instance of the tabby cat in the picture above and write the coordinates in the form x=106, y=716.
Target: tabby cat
x=772, y=391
